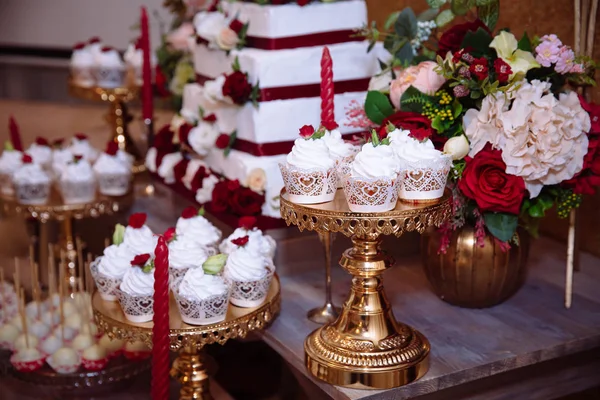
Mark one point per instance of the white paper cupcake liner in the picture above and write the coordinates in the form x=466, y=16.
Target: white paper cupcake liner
x=83, y=76
x=6, y=185
x=251, y=293
x=77, y=192
x=114, y=184
x=203, y=312
x=107, y=286
x=309, y=186
x=137, y=309
x=109, y=78
x=176, y=275
x=424, y=180
x=371, y=195
x=32, y=193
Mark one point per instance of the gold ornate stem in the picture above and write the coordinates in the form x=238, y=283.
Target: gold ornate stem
x=190, y=370
x=70, y=252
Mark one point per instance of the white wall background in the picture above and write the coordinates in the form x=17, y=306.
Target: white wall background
x=61, y=23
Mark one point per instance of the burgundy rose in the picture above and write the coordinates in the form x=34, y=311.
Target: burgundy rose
x=452, y=38
x=170, y=234
x=241, y=241
x=163, y=140
x=236, y=25
x=180, y=169
x=418, y=125
x=220, y=197
x=40, y=141
x=247, y=223
x=307, y=131
x=26, y=159
x=222, y=141
x=184, y=132
x=237, y=87
x=161, y=83
x=210, y=118
x=112, y=148
x=245, y=201
x=484, y=180
x=302, y=3
x=137, y=220
x=198, y=179
x=189, y=212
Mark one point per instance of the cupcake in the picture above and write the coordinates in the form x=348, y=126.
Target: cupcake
x=184, y=254
x=64, y=361
x=81, y=146
x=138, y=236
x=250, y=275
x=94, y=358
x=32, y=183
x=372, y=185
x=109, y=70
x=41, y=152
x=202, y=298
x=108, y=270
x=134, y=61
x=309, y=173
x=112, y=173
x=136, y=292
x=10, y=161
x=424, y=169
x=341, y=151
x=77, y=182
x=82, y=66
x=94, y=46
x=61, y=157
x=257, y=242
x=27, y=360
x=198, y=229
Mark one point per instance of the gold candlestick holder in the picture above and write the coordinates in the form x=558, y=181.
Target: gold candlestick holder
x=365, y=347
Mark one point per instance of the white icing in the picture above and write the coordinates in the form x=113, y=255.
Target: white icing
x=94, y=48
x=31, y=174
x=398, y=136
x=138, y=283
x=199, y=229
x=192, y=93
x=165, y=169
x=83, y=148
x=125, y=157
x=310, y=153
x=109, y=59
x=28, y=354
x=245, y=265
x=412, y=150
x=10, y=161
x=51, y=344
x=116, y=260
x=151, y=159
x=38, y=329
x=94, y=352
x=374, y=162
x=257, y=242
x=191, y=171
x=208, y=24
x=60, y=159
x=82, y=58
x=134, y=57
x=82, y=341
x=204, y=194
x=80, y=171
x=203, y=136
x=196, y=285
x=338, y=148
x=141, y=240
x=107, y=164
x=41, y=154
x=184, y=252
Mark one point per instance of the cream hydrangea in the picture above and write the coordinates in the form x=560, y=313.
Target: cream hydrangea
x=543, y=139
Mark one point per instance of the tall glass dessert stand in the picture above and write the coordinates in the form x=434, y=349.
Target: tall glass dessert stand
x=365, y=347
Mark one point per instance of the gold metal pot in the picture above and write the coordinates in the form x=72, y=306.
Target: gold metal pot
x=472, y=276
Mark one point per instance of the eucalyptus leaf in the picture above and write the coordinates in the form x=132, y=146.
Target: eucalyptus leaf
x=489, y=13
x=405, y=54
x=378, y=106
x=406, y=24
x=428, y=15
x=389, y=22
x=503, y=226
x=525, y=43
x=444, y=18
x=436, y=3
x=461, y=7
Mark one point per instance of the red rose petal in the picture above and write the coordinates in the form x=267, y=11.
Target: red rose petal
x=189, y=212
x=140, y=260
x=241, y=241
x=137, y=220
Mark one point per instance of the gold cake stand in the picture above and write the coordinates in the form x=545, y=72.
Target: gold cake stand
x=190, y=368
x=117, y=116
x=366, y=348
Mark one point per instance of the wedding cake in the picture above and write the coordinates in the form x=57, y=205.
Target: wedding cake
x=258, y=73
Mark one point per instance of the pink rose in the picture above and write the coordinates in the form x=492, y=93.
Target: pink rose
x=227, y=39
x=422, y=77
x=179, y=37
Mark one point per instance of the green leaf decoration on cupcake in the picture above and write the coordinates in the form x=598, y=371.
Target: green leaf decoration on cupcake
x=8, y=146
x=118, y=234
x=377, y=141
x=214, y=264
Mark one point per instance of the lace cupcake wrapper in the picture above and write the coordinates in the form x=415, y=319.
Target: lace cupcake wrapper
x=114, y=184
x=107, y=286
x=309, y=186
x=251, y=293
x=137, y=309
x=371, y=195
x=109, y=77
x=78, y=192
x=32, y=193
x=203, y=312
x=424, y=180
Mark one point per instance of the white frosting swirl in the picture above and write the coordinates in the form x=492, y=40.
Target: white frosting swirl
x=166, y=167
x=196, y=285
x=82, y=147
x=82, y=58
x=107, y=164
x=338, y=148
x=374, y=162
x=133, y=57
x=257, y=242
x=31, y=174
x=10, y=161
x=125, y=157
x=310, y=153
x=413, y=150
x=245, y=265
x=137, y=282
x=80, y=171
x=116, y=261
x=141, y=240
x=198, y=229
x=185, y=253
x=60, y=159
x=40, y=154
x=398, y=136
x=109, y=59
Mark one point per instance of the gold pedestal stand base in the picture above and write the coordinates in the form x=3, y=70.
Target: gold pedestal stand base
x=365, y=347
x=191, y=370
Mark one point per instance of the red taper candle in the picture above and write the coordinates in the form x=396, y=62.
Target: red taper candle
x=147, y=101
x=327, y=91
x=160, y=330
x=15, y=134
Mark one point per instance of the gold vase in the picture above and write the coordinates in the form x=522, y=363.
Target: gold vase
x=472, y=276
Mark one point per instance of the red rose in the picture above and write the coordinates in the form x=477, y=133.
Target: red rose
x=197, y=180
x=137, y=220
x=94, y=40
x=237, y=87
x=189, y=212
x=140, y=260
x=184, y=132
x=222, y=141
x=106, y=49
x=307, y=131
x=81, y=136
x=236, y=25
x=180, y=169
x=79, y=46
x=169, y=234
x=485, y=181
x=77, y=158
x=26, y=159
x=209, y=118
x=233, y=185
x=452, y=38
x=112, y=148
x=161, y=83
x=220, y=197
x=57, y=143
x=241, y=241
x=479, y=68
x=40, y=141
x=163, y=140
x=245, y=201
x=302, y=3
x=214, y=6
x=502, y=69
x=330, y=125
x=247, y=223
x=418, y=125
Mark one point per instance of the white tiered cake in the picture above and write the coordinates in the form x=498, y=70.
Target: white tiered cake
x=281, y=57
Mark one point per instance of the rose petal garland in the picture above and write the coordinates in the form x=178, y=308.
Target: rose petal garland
x=160, y=329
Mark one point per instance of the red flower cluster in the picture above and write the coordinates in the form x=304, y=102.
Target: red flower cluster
x=161, y=83
x=140, y=260
x=26, y=159
x=502, y=69
x=209, y=118
x=479, y=68
x=184, y=132
x=81, y=136
x=237, y=87
x=57, y=143
x=112, y=148
x=485, y=181
x=222, y=141
x=137, y=220
x=180, y=169
x=236, y=25
x=418, y=125
x=452, y=39
x=231, y=197
x=198, y=179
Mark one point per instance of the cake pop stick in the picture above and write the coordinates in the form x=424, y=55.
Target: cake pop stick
x=2, y=297
x=17, y=275
x=51, y=279
x=21, y=292
x=60, y=308
x=79, y=247
x=89, y=281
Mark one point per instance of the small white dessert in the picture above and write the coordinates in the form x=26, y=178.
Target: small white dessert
x=94, y=353
x=374, y=161
x=73, y=321
x=90, y=329
x=198, y=292
x=310, y=152
x=136, y=347
x=338, y=148
x=94, y=45
x=110, y=70
x=134, y=59
x=41, y=152
x=116, y=261
x=185, y=253
x=137, y=282
x=82, y=341
x=257, y=241
x=82, y=64
x=8, y=334
x=23, y=343
x=198, y=228
x=17, y=322
x=112, y=172
x=61, y=156
x=77, y=182
x=51, y=344
x=38, y=329
x=32, y=183
x=69, y=333
x=138, y=236
x=10, y=161
x=244, y=265
x=137, y=290
x=196, y=285
x=29, y=354
x=81, y=146
x=112, y=346
x=33, y=310
x=65, y=360
x=69, y=306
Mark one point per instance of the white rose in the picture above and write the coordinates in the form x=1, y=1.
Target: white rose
x=213, y=98
x=381, y=82
x=209, y=24
x=257, y=180
x=151, y=159
x=202, y=137
x=204, y=194
x=227, y=39
x=166, y=167
x=457, y=147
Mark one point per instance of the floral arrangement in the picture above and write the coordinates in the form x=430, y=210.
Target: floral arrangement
x=521, y=139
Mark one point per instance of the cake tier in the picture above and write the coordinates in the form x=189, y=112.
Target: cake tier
x=291, y=68
x=273, y=122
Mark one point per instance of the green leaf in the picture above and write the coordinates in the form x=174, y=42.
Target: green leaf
x=479, y=41
x=444, y=18
x=8, y=146
x=461, y=7
x=255, y=94
x=525, y=43
x=457, y=108
x=480, y=3
x=436, y=3
x=437, y=124
x=383, y=66
x=428, y=15
x=406, y=24
x=489, y=13
x=389, y=22
x=503, y=226
x=378, y=106
x=118, y=234
x=236, y=64
x=232, y=138
x=214, y=264
x=371, y=45
x=405, y=54
x=201, y=211
x=413, y=100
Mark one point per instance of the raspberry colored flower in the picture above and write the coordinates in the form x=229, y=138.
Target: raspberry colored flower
x=307, y=131
x=502, y=69
x=241, y=241
x=247, y=223
x=330, y=125
x=112, y=148
x=236, y=25
x=479, y=68
x=137, y=220
x=189, y=212
x=169, y=234
x=222, y=141
x=140, y=260
x=237, y=87
x=26, y=159
x=40, y=141
x=461, y=91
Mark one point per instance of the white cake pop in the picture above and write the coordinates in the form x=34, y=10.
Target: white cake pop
x=51, y=317
x=51, y=344
x=34, y=310
x=21, y=342
x=17, y=322
x=90, y=328
x=94, y=352
x=64, y=360
x=8, y=334
x=69, y=307
x=82, y=341
x=111, y=345
x=74, y=321
x=28, y=354
x=69, y=333
x=38, y=329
